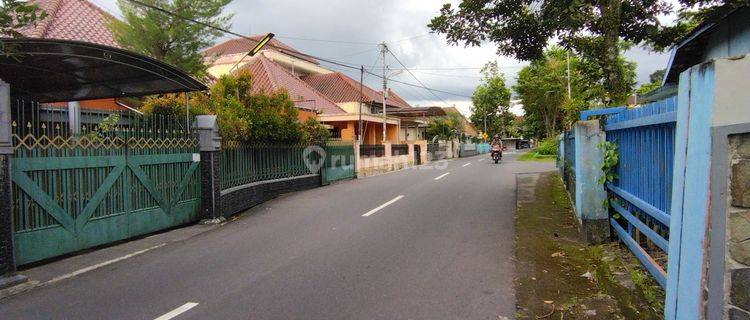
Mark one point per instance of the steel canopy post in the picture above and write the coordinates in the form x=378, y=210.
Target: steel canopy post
x=7, y=254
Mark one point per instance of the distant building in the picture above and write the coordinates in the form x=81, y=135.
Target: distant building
x=468, y=129
x=339, y=101
x=727, y=37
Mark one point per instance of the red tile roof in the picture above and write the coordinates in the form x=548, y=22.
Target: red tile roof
x=341, y=88
x=270, y=77
x=241, y=45
x=78, y=20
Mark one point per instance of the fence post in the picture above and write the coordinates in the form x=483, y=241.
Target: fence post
x=209, y=144
x=561, y=155
x=7, y=255
x=590, y=195
x=708, y=273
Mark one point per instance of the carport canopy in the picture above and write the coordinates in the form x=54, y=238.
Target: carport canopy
x=48, y=70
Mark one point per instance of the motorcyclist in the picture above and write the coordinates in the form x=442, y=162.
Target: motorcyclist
x=496, y=141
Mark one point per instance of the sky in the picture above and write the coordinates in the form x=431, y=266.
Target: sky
x=349, y=31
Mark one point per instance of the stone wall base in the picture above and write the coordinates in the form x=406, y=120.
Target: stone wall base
x=241, y=198
x=595, y=231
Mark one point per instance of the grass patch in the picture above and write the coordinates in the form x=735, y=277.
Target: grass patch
x=558, y=276
x=534, y=156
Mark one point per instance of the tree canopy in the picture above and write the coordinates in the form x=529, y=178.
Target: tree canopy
x=168, y=38
x=491, y=100
x=542, y=88
x=445, y=127
x=596, y=30
x=15, y=15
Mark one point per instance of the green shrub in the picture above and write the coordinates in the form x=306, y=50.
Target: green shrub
x=547, y=147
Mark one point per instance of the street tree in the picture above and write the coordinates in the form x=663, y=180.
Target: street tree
x=594, y=29
x=491, y=100
x=170, y=38
x=655, y=80
x=542, y=87
x=243, y=115
x=445, y=127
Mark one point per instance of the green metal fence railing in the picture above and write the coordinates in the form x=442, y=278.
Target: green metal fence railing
x=242, y=163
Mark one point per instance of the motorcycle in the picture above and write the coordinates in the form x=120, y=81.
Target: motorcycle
x=496, y=153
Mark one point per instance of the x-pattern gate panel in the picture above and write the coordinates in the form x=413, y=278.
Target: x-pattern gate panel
x=75, y=191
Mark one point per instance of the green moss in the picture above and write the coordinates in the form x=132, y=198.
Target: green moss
x=534, y=156
x=552, y=262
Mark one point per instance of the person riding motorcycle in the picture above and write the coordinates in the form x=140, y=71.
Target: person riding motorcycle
x=496, y=141
x=496, y=147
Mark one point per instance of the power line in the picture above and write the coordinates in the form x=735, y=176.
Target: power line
x=355, y=53
x=167, y=12
x=411, y=38
x=394, y=80
x=329, y=41
x=415, y=77
x=448, y=75
x=208, y=25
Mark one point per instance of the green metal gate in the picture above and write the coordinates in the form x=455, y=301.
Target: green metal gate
x=105, y=184
x=340, y=162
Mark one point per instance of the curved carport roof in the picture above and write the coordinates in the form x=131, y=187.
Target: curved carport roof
x=48, y=70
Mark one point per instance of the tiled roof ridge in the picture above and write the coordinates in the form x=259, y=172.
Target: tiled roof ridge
x=97, y=8
x=266, y=64
x=307, y=85
x=42, y=27
x=274, y=44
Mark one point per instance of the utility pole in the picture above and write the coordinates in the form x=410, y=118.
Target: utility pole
x=187, y=111
x=361, y=98
x=383, y=51
x=485, y=122
x=567, y=55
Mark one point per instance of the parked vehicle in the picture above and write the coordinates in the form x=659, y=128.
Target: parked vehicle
x=497, y=152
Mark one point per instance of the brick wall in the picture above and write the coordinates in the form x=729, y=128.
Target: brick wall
x=738, y=235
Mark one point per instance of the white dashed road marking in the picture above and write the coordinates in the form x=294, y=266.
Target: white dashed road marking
x=442, y=176
x=176, y=312
x=382, y=206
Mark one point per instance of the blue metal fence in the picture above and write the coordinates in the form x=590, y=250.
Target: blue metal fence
x=568, y=161
x=483, y=148
x=641, y=194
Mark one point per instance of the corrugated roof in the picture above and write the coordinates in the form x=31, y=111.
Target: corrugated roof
x=242, y=45
x=78, y=20
x=267, y=76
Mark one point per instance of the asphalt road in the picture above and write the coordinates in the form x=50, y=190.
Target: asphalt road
x=441, y=249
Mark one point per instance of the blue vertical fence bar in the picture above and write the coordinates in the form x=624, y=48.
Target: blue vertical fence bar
x=641, y=194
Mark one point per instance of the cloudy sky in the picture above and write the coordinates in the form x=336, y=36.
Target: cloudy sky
x=348, y=31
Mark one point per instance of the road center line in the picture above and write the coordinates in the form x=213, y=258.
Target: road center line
x=442, y=176
x=176, y=312
x=382, y=206
x=466, y=164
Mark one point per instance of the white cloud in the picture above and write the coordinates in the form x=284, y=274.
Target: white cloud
x=387, y=20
